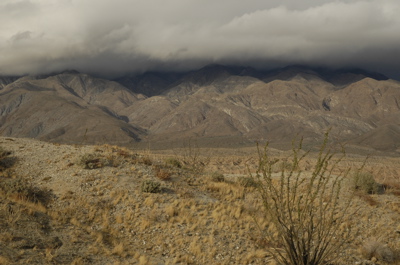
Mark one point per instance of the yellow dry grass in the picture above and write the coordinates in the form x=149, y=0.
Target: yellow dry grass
x=101, y=216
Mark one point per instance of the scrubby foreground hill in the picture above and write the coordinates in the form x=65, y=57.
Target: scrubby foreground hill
x=216, y=105
x=71, y=204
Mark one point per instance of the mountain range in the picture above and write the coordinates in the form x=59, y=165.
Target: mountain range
x=216, y=106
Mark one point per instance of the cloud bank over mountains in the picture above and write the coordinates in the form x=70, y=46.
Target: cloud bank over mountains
x=114, y=37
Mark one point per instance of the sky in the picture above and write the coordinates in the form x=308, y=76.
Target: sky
x=114, y=37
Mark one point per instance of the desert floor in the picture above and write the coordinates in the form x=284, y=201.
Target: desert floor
x=80, y=204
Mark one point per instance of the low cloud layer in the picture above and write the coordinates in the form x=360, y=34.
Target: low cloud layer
x=114, y=37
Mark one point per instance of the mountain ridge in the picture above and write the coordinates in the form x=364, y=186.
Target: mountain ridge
x=214, y=102
x=340, y=76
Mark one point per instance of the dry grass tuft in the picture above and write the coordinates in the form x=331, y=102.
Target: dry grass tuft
x=376, y=249
x=162, y=174
x=143, y=260
x=173, y=162
x=217, y=177
x=4, y=260
x=145, y=160
x=392, y=187
x=20, y=189
x=367, y=198
x=247, y=182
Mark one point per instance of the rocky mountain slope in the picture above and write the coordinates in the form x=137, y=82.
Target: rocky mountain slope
x=216, y=105
x=68, y=107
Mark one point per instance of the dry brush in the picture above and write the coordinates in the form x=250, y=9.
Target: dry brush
x=306, y=211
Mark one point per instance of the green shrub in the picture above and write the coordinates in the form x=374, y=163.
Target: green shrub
x=217, y=177
x=151, y=186
x=365, y=182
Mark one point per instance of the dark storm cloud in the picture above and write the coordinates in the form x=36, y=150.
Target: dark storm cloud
x=119, y=36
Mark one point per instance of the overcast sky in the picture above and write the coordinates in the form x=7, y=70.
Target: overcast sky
x=117, y=36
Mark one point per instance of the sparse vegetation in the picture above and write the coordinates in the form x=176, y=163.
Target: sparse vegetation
x=304, y=210
x=192, y=158
x=282, y=165
x=162, y=173
x=248, y=182
x=21, y=189
x=375, y=249
x=367, y=198
x=217, y=177
x=3, y=153
x=173, y=162
x=151, y=186
x=5, y=160
x=365, y=182
x=103, y=216
x=145, y=160
x=392, y=187
x=92, y=161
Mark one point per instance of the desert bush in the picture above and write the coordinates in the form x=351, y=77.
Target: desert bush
x=392, y=186
x=22, y=189
x=92, y=161
x=163, y=174
x=3, y=153
x=217, y=177
x=365, y=182
x=151, y=186
x=376, y=249
x=124, y=153
x=192, y=158
x=145, y=160
x=304, y=210
x=5, y=160
x=248, y=182
x=173, y=162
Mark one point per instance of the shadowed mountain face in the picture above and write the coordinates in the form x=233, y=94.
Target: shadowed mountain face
x=68, y=107
x=5, y=80
x=216, y=105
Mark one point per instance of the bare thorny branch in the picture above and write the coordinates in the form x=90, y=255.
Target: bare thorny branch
x=304, y=209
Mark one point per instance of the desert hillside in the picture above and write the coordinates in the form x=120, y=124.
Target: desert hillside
x=219, y=106
x=101, y=204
